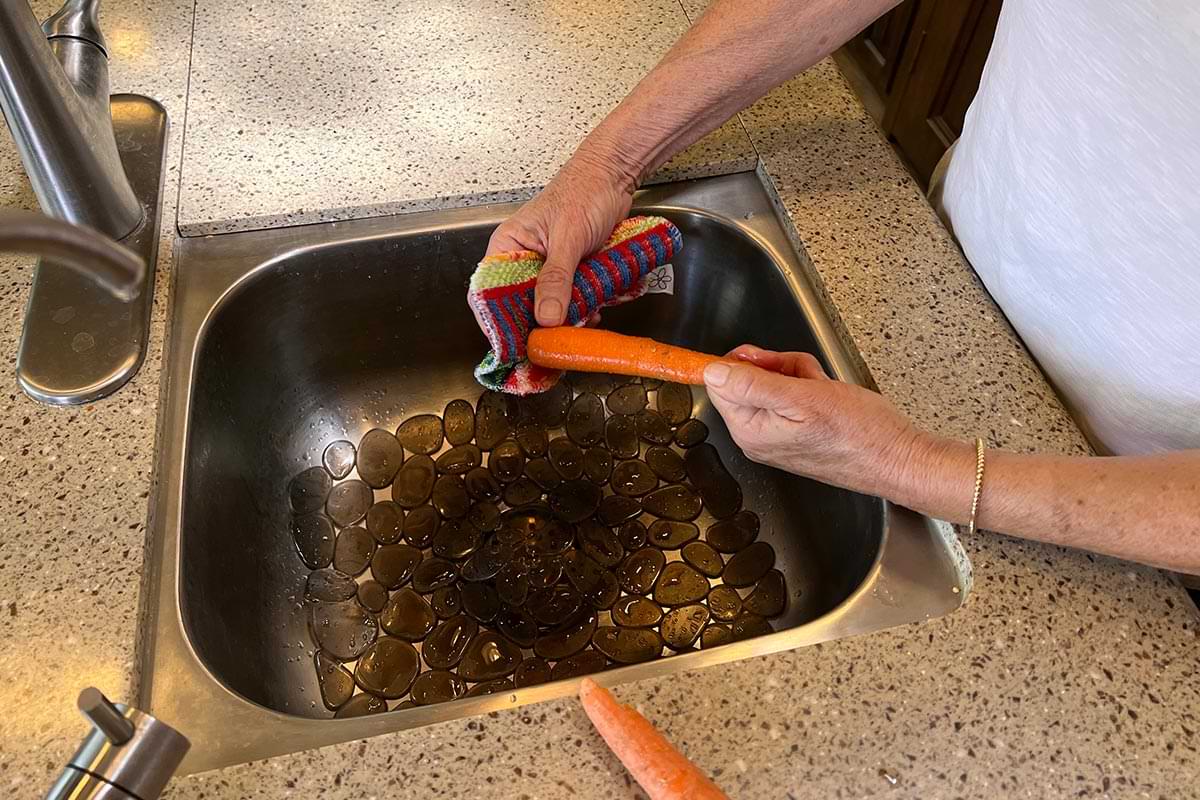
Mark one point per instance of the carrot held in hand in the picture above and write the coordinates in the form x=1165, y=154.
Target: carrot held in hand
x=654, y=763
x=595, y=350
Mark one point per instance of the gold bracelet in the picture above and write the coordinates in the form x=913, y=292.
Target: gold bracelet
x=978, y=483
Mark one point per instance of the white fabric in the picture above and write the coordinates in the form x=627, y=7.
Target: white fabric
x=1075, y=193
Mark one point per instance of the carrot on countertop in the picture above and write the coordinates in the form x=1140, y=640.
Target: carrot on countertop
x=654, y=763
x=595, y=350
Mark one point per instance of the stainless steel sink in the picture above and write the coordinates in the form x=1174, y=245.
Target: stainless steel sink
x=284, y=340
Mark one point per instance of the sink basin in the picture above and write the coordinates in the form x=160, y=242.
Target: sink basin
x=285, y=340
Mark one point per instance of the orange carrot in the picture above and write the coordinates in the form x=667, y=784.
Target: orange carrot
x=595, y=350
x=658, y=767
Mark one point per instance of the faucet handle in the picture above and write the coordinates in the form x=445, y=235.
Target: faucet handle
x=107, y=718
x=77, y=19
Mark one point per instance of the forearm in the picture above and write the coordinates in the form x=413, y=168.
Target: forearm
x=735, y=53
x=1144, y=508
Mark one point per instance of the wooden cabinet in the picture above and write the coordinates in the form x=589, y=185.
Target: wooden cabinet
x=917, y=69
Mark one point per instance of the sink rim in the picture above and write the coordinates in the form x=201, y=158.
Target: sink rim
x=173, y=679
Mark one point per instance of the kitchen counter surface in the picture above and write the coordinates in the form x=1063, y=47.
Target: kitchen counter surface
x=1063, y=675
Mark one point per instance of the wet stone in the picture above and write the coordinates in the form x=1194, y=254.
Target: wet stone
x=575, y=501
x=544, y=571
x=691, y=433
x=518, y=625
x=494, y=414
x=597, y=465
x=506, y=462
x=724, y=603
x=343, y=630
x=555, y=606
x=421, y=434
x=459, y=460
x=597, y=585
x=420, y=526
x=360, y=706
x=446, y=602
x=457, y=539
x=578, y=665
x=628, y=399
x=348, y=502
x=408, y=616
x=338, y=458
x=432, y=574
x=674, y=402
x=414, y=481
x=486, y=562
x=600, y=544
x=704, y=558
x=641, y=569
x=721, y=493
x=445, y=646
x=670, y=535
x=600, y=383
x=633, y=478
x=769, y=597
x=532, y=440
x=379, y=456
x=585, y=420
x=666, y=463
x=490, y=687
x=621, y=437
x=637, y=612
x=566, y=640
x=615, y=509
x=385, y=521
x=308, y=490
x=522, y=492
x=543, y=473
x=489, y=656
x=750, y=564
x=628, y=645
x=372, y=596
x=336, y=682
x=681, y=626
x=329, y=585
x=652, y=428
x=715, y=636
x=733, y=534
x=679, y=585
x=675, y=502
x=314, y=539
x=393, y=564
x=512, y=583
x=353, y=550
x=450, y=497
x=437, y=686
x=632, y=534
x=388, y=668
x=547, y=409
x=481, y=485
x=480, y=601
x=531, y=672
x=484, y=515
x=566, y=458
x=748, y=626
x=458, y=422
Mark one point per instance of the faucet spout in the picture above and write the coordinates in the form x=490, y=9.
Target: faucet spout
x=114, y=266
x=54, y=94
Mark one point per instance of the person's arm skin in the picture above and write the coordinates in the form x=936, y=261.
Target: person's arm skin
x=737, y=52
x=782, y=410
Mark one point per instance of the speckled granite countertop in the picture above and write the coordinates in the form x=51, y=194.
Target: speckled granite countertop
x=1064, y=675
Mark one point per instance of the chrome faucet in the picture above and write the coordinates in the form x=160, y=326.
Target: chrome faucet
x=95, y=164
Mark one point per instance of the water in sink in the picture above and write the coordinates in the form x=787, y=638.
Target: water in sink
x=523, y=541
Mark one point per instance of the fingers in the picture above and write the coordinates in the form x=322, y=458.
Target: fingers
x=553, y=291
x=797, y=365
x=750, y=385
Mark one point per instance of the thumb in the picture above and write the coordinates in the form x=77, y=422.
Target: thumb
x=748, y=385
x=553, y=291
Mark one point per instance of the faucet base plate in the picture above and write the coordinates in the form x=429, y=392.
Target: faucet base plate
x=80, y=343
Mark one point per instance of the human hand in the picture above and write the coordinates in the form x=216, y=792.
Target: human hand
x=570, y=219
x=783, y=410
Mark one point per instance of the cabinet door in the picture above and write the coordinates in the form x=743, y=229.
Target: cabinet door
x=877, y=51
x=941, y=68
